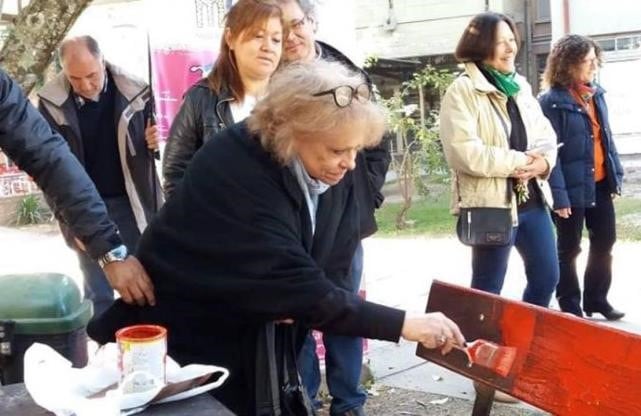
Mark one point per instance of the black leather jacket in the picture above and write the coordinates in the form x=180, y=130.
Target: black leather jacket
x=202, y=114
x=30, y=142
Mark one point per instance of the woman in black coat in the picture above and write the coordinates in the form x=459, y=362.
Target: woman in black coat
x=587, y=175
x=264, y=223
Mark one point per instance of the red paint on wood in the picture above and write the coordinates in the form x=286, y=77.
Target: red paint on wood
x=565, y=365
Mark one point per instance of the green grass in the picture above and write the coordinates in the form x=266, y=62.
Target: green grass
x=431, y=217
x=628, y=218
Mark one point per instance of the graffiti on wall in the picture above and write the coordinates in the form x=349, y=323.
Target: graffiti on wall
x=16, y=184
x=210, y=13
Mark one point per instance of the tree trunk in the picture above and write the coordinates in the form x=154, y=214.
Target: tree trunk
x=406, y=186
x=421, y=104
x=401, y=216
x=34, y=36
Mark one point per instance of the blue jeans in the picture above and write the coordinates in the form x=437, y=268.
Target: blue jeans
x=534, y=240
x=343, y=360
x=96, y=286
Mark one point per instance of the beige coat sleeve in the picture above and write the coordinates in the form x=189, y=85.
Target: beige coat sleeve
x=464, y=121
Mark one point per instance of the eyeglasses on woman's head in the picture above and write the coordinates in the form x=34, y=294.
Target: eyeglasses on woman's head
x=344, y=94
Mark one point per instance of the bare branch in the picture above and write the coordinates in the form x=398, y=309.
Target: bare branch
x=34, y=36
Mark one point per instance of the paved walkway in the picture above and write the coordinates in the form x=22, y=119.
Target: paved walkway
x=398, y=272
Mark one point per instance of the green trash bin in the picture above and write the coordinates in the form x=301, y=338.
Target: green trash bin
x=45, y=308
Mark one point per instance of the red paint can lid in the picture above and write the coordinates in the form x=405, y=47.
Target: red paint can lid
x=141, y=333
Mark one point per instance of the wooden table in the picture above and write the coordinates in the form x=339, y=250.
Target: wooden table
x=16, y=401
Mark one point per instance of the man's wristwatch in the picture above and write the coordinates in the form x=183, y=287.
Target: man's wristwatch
x=117, y=254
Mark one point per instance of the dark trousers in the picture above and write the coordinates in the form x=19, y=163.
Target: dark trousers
x=534, y=240
x=96, y=286
x=601, y=225
x=343, y=360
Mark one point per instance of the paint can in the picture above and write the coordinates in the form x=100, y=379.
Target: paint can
x=142, y=354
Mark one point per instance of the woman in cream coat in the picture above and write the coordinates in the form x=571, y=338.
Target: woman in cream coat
x=497, y=140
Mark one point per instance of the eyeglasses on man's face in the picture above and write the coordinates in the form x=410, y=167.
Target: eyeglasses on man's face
x=344, y=94
x=297, y=25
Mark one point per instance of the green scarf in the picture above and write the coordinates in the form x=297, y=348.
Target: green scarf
x=504, y=82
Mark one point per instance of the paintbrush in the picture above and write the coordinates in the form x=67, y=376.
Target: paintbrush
x=489, y=355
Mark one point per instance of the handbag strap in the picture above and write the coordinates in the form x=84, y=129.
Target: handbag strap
x=267, y=386
x=498, y=114
x=509, y=181
x=291, y=376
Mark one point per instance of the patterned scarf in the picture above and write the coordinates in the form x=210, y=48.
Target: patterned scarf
x=585, y=91
x=504, y=82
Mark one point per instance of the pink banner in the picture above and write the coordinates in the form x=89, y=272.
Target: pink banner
x=183, y=41
x=174, y=71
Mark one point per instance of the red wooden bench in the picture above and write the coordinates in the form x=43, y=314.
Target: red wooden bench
x=564, y=365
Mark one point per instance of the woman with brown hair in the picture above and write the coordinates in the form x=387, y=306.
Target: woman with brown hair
x=250, y=51
x=587, y=176
x=501, y=149
x=490, y=127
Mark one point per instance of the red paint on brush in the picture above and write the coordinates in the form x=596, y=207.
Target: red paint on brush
x=490, y=355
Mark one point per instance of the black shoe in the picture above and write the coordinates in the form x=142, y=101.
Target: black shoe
x=574, y=311
x=570, y=306
x=609, y=314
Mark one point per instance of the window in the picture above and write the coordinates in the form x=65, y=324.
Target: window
x=622, y=43
x=607, y=45
x=628, y=43
x=543, y=10
x=541, y=60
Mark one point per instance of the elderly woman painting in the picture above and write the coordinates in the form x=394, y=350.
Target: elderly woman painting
x=265, y=216
x=489, y=120
x=587, y=176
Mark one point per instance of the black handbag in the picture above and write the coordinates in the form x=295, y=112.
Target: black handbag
x=484, y=227
x=279, y=389
x=294, y=399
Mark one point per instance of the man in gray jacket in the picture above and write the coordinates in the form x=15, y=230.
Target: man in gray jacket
x=105, y=115
x=27, y=139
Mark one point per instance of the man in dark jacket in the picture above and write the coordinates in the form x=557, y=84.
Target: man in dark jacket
x=104, y=114
x=344, y=355
x=27, y=139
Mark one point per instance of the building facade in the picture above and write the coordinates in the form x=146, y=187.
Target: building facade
x=407, y=34
x=616, y=26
